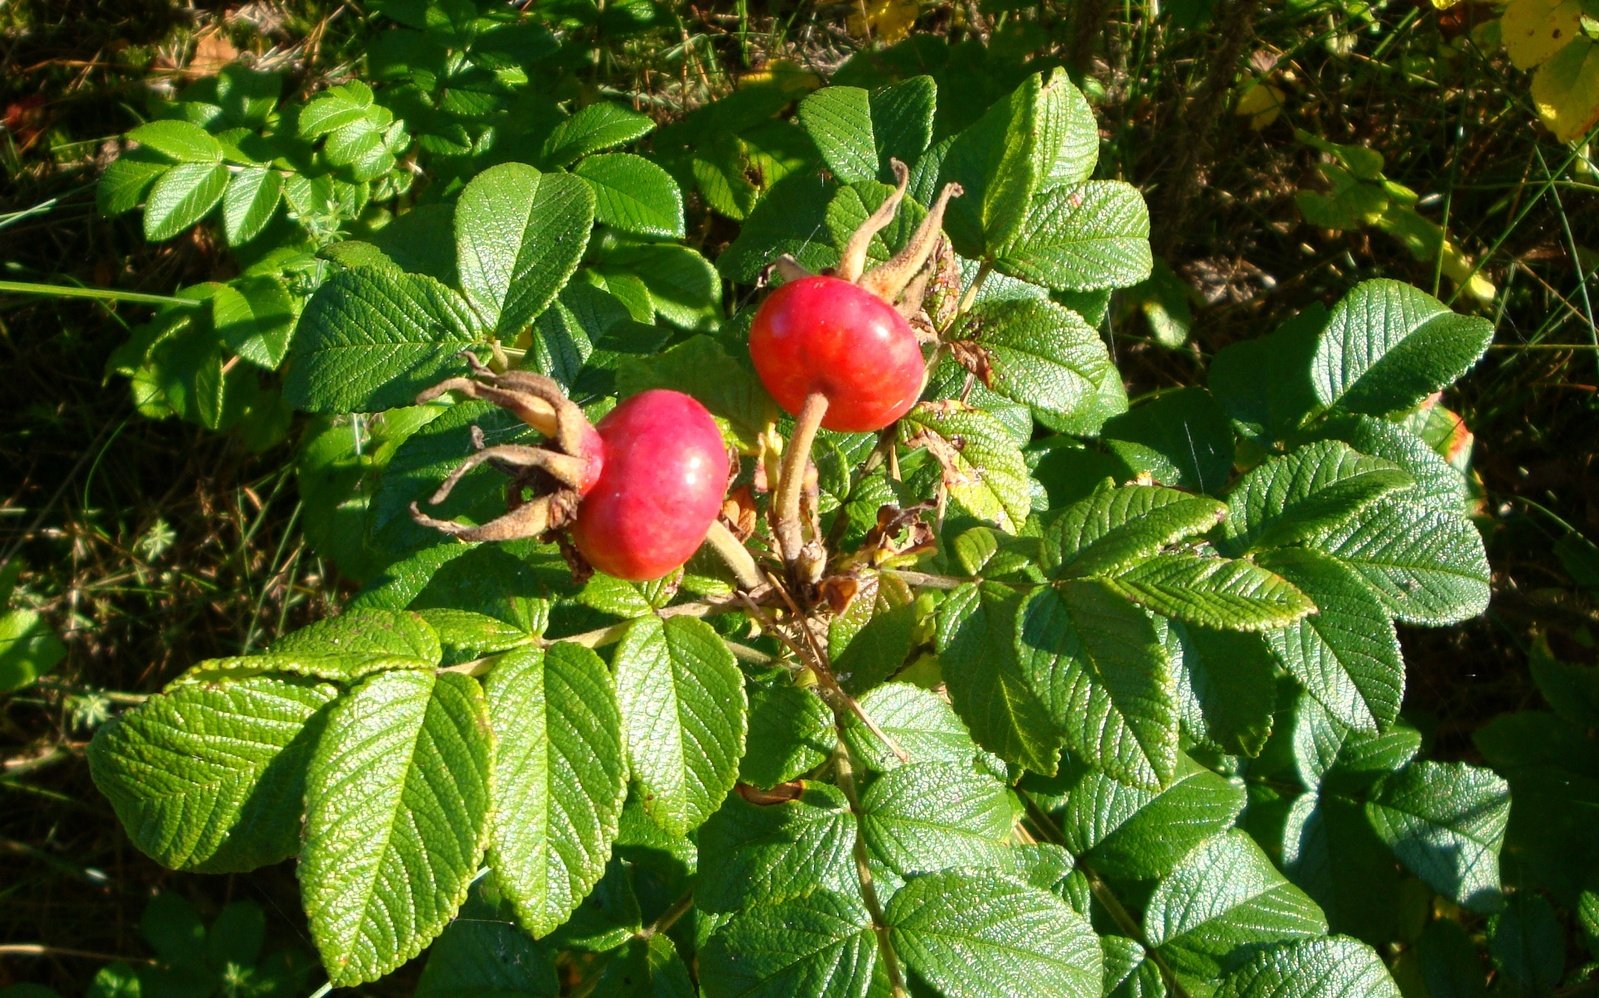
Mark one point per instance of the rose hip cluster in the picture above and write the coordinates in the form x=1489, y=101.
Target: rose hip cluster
x=639, y=491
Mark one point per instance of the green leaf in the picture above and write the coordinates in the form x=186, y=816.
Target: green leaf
x=1181, y=439
x=770, y=852
x=1302, y=496
x=633, y=194
x=1335, y=967
x=1222, y=593
x=870, y=639
x=369, y=340
x=1067, y=147
x=992, y=161
x=559, y=779
x=1265, y=384
x=1223, y=897
x=1129, y=973
x=1388, y=345
x=28, y=649
x=1427, y=566
x=1048, y=359
x=1136, y=834
x=684, y=288
x=646, y=967
x=978, y=934
x=344, y=648
x=519, y=235
x=683, y=717
x=184, y=141
x=564, y=333
x=935, y=816
x=918, y=721
x=1446, y=822
x=791, y=732
x=127, y=179
x=481, y=954
x=397, y=800
x=210, y=778
x=983, y=467
x=181, y=197
x=820, y=944
x=1225, y=686
x=902, y=121
x=1104, y=674
x=337, y=107
x=1330, y=852
x=701, y=366
x=592, y=129
x=1116, y=528
x=788, y=220
x=839, y=121
x=255, y=319
x=249, y=203
x=988, y=687
x=1331, y=754
x=1438, y=483
x=1081, y=238
x=1347, y=654
x=1528, y=945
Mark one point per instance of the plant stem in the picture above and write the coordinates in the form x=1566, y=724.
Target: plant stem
x=732, y=551
x=100, y=294
x=796, y=455
x=843, y=768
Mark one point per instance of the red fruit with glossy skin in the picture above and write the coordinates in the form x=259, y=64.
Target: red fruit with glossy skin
x=824, y=334
x=659, y=489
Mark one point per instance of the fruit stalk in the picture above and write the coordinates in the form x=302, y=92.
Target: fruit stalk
x=796, y=455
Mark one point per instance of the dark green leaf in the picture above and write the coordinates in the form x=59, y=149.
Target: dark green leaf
x=770, y=852
x=1446, y=822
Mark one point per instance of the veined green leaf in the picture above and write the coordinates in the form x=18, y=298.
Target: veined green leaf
x=1304, y=495
x=211, y=778
x=839, y=121
x=993, y=161
x=1388, y=345
x=1118, y=527
x=1129, y=973
x=249, y=203
x=1329, y=753
x=633, y=194
x=184, y=141
x=791, y=732
x=1226, y=690
x=1081, y=237
x=369, y=340
x=975, y=934
x=1222, y=593
x=983, y=467
x=683, y=717
x=1427, y=566
x=1335, y=967
x=181, y=197
x=1347, y=654
x=127, y=179
x=1222, y=897
x=397, y=798
x=767, y=853
x=592, y=129
x=1100, y=667
x=1446, y=822
x=354, y=644
x=559, y=779
x=819, y=944
x=519, y=235
x=935, y=816
x=1067, y=147
x=919, y=722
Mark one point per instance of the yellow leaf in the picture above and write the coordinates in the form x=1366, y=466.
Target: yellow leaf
x=1444, y=4
x=1566, y=90
x=1261, y=103
x=885, y=20
x=1534, y=30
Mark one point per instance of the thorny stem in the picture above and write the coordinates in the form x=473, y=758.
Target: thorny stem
x=791, y=483
x=845, y=772
x=732, y=551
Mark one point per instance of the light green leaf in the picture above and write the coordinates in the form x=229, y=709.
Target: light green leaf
x=1426, y=565
x=519, y=235
x=633, y=194
x=1137, y=834
x=184, y=141
x=369, y=340
x=902, y=121
x=354, y=644
x=791, y=732
x=976, y=934
x=1221, y=593
x=1102, y=671
x=1388, y=345
x=465, y=635
x=181, y=197
x=983, y=467
x=211, y=778
x=1446, y=822
x=1226, y=688
x=127, y=179
x=28, y=649
x=683, y=717
x=338, y=107
x=249, y=203
x=820, y=944
x=935, y=816
x=684, y=288
x=992, y=161
x=592, y=129
x=1437, y=482
x=1330, y=754
x=1067, y=147
x=397, y=798
x=839, y=121
x=1346, y=655
x=1302, y=496
x=1118, y=527
x=1129, y=973
x=1335, y=967
x=918, y=721
x=987, y=685
x=559, y=779
x=1048, y=359
x=255, y=319
x=1080, y=238
x=870, y=639
x=770, y=852
x=564, y=333
x=1223, y=896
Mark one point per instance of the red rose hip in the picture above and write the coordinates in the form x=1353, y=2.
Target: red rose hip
x=827, y=336
x=659, y=489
